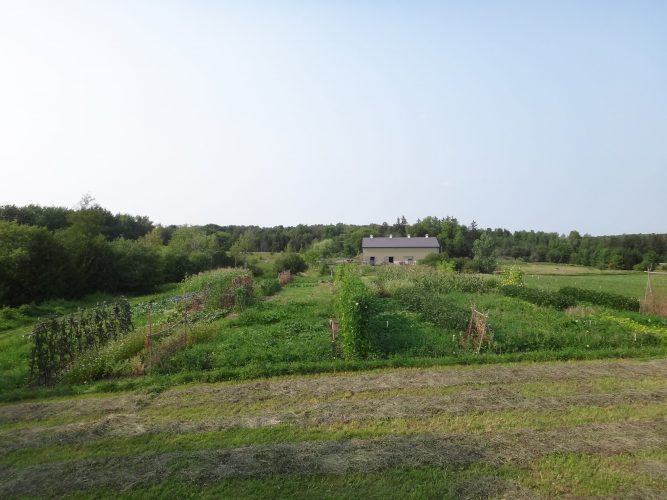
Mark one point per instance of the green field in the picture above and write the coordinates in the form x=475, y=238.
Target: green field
x=261, y=403
x=555, y=276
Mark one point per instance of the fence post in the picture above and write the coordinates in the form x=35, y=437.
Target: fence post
x=149, y=335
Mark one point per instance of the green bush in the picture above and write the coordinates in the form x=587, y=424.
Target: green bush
x=292, y=262
x=354, y=305
x=611, y=300
x=267, y=286
x=539, y=297
x=512, y=275
x=325, y=269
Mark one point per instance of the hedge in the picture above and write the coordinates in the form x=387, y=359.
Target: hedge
x=612, y=300
x=539, y=297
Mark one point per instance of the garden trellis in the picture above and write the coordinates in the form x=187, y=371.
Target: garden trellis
x=57, y=341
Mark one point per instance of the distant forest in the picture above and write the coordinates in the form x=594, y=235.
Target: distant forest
x=53, y=252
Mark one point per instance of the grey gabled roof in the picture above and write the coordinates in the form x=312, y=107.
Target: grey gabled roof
x=400, y=242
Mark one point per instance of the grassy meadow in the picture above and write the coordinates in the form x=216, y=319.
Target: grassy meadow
x=259, y=402
x=555, y=276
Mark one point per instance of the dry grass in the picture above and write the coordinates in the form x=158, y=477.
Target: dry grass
x=338, y=457
x=655, y=304
x=584, y=311
x=454, y=419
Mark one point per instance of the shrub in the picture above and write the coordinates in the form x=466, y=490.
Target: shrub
x=611, y=300
x=255, y=269
x=539, y=297
x=266, y=287
x=292, y=262
x=512, y=275
x=433, y=259
x=354, y=305
x=325, y=269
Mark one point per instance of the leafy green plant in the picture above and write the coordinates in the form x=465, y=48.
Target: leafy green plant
x=539, y=297
x=220, y=288
x=56, y=342
x=433, y=308
x=612, y=300
x=290, y=261
x=354, y=305
x=512, y=276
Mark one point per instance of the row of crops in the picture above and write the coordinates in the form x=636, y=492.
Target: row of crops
x=87, y=344
x=520, y=318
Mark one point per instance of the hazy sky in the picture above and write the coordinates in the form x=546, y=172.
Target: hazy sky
x=524, y=115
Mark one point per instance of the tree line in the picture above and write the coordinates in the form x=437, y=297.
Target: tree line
x=48, y=252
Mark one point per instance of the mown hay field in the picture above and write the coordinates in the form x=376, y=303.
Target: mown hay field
x=592, y=428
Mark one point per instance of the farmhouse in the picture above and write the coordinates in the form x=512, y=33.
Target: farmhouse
x=399, y=250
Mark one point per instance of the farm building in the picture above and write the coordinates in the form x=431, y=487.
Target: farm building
x=399, y=250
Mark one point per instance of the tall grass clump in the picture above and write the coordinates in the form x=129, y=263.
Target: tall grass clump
x=655, y=304
x=354, y=306
x=220, y=288
x=606, y=299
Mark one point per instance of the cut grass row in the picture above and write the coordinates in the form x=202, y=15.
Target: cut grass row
x=135, y=444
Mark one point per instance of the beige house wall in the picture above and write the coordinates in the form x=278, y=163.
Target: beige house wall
x=400, y=255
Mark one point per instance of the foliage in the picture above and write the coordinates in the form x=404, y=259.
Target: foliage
x=118, y=358
x=319, y=250
x=56, y=342
x=266, y=286
x=354, y=305
x=539, y=297
x=635, y=326
x=292, y=262
x=137, y=267
x=512, y=275
x=433, y=307
x=600, y=298
x=324, y=269
x=483, y=250
x=221, y=288
x=31, y=264
x=393, y=277
x=48, y=252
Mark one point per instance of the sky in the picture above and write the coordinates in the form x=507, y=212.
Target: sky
x=523, y=115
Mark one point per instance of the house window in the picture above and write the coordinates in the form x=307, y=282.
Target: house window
x=372, y=260
x=391, y=260
x=409, y=259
